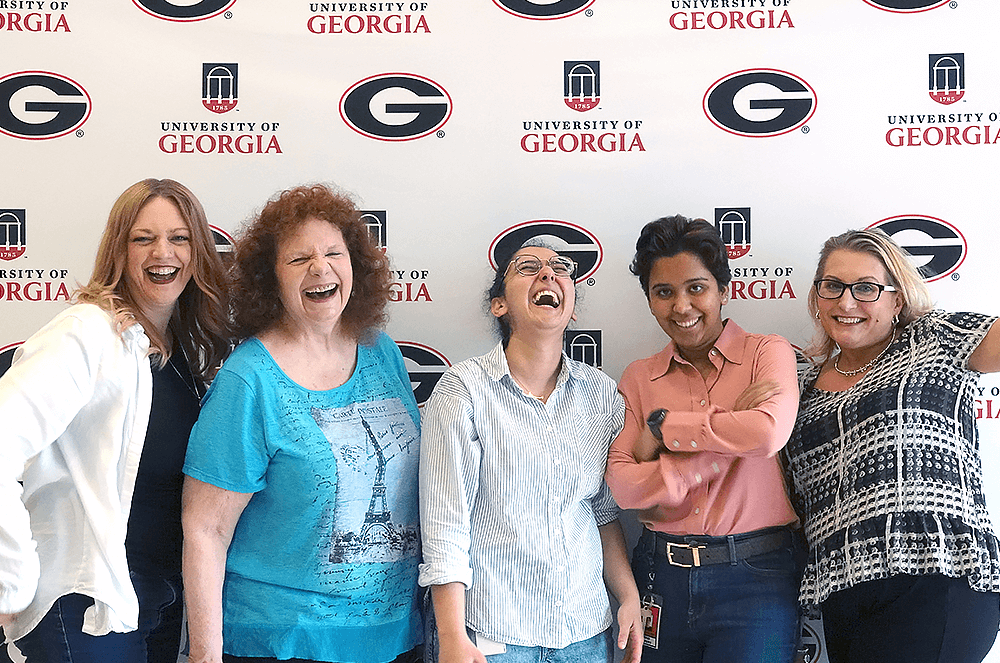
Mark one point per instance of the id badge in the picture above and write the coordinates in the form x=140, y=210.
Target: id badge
x=651, y=608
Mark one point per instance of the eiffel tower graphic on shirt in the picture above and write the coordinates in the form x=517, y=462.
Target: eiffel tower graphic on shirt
x=376, y=526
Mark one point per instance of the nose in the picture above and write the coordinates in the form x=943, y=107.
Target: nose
x=162, y=247
x=681, y=303
x=318, y=265
x=546, y=273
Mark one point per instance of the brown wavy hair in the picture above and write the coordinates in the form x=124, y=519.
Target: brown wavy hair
x=200, y=318
x=256, y=300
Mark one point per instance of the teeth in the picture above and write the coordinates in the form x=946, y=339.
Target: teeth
x=546, y=298
x=162, y=274
x=847, y=321
x=686, y=325
x=320, y=292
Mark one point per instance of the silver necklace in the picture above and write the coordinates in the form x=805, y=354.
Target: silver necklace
x=836, y=363
x=193, y=388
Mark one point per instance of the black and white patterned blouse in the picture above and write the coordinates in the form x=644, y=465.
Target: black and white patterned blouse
x=886, y=475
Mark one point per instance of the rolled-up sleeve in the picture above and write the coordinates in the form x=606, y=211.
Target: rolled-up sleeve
x=450, y=455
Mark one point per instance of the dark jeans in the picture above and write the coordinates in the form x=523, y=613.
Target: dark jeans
x=732, y=612
x=59, y=637
x=910, y=619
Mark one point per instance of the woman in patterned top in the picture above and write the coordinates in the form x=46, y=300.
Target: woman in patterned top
x=886, y=473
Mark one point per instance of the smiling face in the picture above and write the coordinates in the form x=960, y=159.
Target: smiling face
x=313, y=268
x=687, y=302
x=854, y=325
x=159, y=259
x=543, y=301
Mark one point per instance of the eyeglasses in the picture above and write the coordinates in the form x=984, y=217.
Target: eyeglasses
x=863, y=291
x=530, y=265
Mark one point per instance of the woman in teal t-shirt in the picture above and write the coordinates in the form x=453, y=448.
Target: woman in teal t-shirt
x=303, y=463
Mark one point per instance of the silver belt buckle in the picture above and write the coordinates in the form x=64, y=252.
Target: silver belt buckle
x=695, y=557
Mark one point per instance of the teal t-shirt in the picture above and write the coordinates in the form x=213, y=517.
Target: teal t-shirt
x=323, y=562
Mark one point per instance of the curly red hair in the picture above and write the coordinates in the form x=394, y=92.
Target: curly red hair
x=256, y=301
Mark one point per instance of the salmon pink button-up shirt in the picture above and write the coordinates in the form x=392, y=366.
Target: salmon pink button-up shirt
x=718, y=473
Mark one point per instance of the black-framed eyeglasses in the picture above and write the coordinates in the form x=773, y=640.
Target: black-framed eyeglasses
x=863, y=291
x=530, y=265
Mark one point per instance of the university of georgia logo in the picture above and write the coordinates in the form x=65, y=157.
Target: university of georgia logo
x=906, y=6
x=11, y=234
x=219, y=86
x=937, y=247
x=733, y=223
x=425, y=366
x=584, y=345
x=568, y=239
x=184, y=11
x=759, y=102
x=37, y=105
x=582, y=84
x=224, y=244
x=395, y=107
x=543, y=10
x=375, y=221
x=812, y=642
x=946, y=77
x=7, y=356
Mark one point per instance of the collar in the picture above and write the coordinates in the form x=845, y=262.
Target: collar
x=731, y=344
x=496, y=367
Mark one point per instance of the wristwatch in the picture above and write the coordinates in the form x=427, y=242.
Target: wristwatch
x=655, y=420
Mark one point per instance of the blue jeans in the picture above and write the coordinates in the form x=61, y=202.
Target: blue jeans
x=732, y=612
x=59, y=637
x=598, y=649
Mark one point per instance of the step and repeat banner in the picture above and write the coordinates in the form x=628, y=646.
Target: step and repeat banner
x=462, y=127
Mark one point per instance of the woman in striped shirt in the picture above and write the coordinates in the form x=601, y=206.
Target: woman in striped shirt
x=520, y=532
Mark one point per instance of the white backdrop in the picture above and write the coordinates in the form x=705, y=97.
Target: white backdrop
x=451, y=122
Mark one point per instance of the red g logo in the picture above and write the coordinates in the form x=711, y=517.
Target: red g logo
x=28, y=100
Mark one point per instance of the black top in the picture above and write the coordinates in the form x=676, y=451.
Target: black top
x=153, y=540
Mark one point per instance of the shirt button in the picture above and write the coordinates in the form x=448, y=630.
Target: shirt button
x=548, y=428
x=714, y=352
x=558, y=604
x=697, y=477
x=557, y=461
x=694, y=445
x=715, y=466
x=677, y=444
x=703, y=402
x=697, y=510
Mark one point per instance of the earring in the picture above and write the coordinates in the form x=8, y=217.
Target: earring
x=817, y=315
x=895, y=320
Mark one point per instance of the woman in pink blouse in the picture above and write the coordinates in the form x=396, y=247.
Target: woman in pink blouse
x=718, y=561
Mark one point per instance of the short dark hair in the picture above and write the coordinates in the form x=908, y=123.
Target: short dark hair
x=256, y=301
x=671, y=235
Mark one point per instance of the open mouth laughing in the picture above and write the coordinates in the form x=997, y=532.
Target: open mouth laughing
x=321, y=293
x=546, y=298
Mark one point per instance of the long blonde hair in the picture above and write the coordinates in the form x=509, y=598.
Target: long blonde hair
x=199, y=321
x=902, y=275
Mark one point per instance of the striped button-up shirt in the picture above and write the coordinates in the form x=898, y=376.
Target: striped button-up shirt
x=511, y=495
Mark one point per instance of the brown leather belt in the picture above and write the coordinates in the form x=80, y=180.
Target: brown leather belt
x=688, y=551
